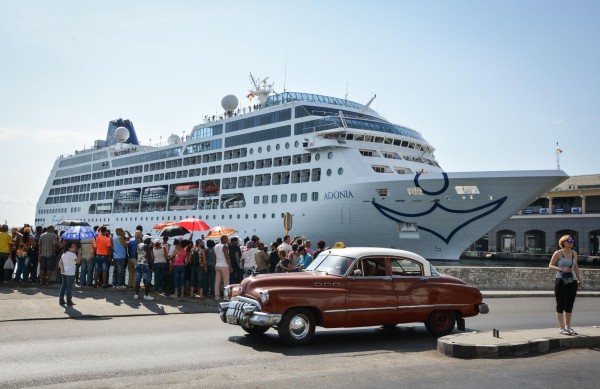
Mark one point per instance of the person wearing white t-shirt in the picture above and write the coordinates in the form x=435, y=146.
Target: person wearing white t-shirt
x=67, y=264
x=248, y=261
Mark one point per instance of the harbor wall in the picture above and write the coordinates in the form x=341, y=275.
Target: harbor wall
x=515, y=278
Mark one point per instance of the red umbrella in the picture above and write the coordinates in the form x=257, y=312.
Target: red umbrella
x=162, y=225
x=193, y=224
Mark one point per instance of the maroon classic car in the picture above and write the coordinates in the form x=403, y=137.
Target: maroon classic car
x=351, y=287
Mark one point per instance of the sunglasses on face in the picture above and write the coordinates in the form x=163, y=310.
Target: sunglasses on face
x=570, y=241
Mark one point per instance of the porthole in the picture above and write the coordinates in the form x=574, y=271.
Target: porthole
x=328, y=172
x=287, y=145
x=277, y=147
x=260, y=150
x=296, y=144
x=317, y=156
x=330, y=155
x=251, y=151
x=340, y=171
x=268, y=148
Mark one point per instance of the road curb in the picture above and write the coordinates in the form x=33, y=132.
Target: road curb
x=515, y=343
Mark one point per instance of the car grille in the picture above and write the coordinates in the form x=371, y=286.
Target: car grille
x=236, y=308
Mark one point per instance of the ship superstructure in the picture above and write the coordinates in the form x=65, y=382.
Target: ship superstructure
x=342, y=171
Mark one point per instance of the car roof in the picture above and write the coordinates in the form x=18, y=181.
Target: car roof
x=358, y=252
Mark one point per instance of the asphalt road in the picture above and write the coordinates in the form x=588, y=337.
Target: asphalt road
x=197, y=350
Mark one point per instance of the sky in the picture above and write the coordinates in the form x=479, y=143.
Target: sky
x=492, y=85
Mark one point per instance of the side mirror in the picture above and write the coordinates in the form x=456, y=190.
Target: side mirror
x=358, y=273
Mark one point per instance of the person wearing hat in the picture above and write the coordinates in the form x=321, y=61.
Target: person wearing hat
x=142, y=269
x=198, y=270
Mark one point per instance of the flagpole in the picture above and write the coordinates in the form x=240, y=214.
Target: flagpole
x=558, y=151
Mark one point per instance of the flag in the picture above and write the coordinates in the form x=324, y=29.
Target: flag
x=250, y=96
x=558, y=151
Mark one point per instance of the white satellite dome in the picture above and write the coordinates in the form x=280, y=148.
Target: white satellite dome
x=173, y=139
x=229, y=103
x=121, y=134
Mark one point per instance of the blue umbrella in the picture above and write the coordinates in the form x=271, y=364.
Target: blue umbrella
x=78, y=233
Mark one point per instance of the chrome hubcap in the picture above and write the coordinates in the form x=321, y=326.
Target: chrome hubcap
x=299, y=327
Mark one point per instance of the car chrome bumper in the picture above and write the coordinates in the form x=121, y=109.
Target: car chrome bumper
x=239, y=312
x=483, y=308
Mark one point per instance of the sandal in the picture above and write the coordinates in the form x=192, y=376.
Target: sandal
x=571, y=331
x=564, y=332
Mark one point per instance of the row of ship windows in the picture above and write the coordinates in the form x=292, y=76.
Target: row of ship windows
x=278, y=178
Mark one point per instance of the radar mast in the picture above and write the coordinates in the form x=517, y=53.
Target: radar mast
x=261, y=89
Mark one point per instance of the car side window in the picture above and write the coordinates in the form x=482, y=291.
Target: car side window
x=406, y=267
x=371, y=267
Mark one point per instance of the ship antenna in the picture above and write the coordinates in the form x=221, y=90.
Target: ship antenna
x=285, y=70
x=346, y=96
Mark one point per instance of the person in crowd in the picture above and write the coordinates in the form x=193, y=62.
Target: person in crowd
x=132, y=257
x=16, y=238
x=308, y=247
x=235, y=254
x=47, y=248
x=198, y=269
x=88, y=257
x=5, y=243
x=25, y=246
x=180, y=257
x=166, y=244
x=273, y=257
x=305, y=258
x=67, y=268
x=320, y=248
x=160, y=265
x=222, y=266
x=211, y=259
x=262, y=259
x=119, y=244
x=285, y=245
x=103, y=252
x=142, y=268
x=35, y=256
x=284, y=264
x=248, y=261
x=294, y=256
x=567, y=282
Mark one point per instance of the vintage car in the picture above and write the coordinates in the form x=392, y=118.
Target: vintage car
x=351, y=287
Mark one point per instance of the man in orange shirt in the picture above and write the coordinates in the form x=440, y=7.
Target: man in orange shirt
x=103, y=252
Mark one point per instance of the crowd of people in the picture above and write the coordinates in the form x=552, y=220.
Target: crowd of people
x=198, y=268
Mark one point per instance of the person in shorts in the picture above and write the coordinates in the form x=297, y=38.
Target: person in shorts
x=47, y=247
x=142, y=269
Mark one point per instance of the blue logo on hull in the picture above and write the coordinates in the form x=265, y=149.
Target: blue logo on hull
x=404, y=217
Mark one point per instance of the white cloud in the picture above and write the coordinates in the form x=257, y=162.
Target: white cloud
x=15, y=201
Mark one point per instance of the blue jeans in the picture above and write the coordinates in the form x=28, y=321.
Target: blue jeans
x=22, y=269
x=142, y=271
x=179, y=277
x=198, y=278
x=210, y=282
x=101, y=265
x=160, y=271
x=86, y=274
x=120, y=264
x=66, y=287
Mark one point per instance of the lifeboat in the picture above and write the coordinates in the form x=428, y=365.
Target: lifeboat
x=130, y=196
x=156, y=194
x=185, y=191
x=210, y=188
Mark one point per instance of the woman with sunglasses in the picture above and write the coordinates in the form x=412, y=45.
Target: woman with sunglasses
x=567, y=282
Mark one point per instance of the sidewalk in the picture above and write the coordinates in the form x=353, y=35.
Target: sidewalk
x=33, y=302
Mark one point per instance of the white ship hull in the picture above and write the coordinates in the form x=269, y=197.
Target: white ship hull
x=339, y=185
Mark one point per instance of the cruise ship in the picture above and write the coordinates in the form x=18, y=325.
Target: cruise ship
x=291, y=163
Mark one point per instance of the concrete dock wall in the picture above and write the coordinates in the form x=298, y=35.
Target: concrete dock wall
x=515, y=278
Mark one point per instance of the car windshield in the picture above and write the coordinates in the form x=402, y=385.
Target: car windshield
x=331, y=264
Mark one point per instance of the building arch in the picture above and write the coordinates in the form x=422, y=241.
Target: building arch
x=535, y=242
x=594, y=242
x=506, y=241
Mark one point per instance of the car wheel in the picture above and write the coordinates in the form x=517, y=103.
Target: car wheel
x=297, y=327
x=255, y=330
x=440, y=323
